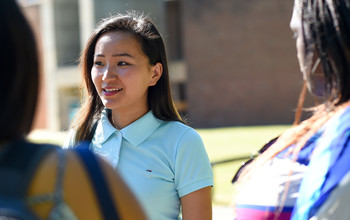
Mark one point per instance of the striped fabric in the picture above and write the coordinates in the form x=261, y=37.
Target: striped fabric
x=317, y=171
x=260, y=197
x=328, y=166
x=260, y=212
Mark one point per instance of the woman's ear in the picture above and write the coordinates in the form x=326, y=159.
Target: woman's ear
x=157, y=71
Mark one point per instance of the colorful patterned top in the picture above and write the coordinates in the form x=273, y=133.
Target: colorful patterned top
x=319, y=168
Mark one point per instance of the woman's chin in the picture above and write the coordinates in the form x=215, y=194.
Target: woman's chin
x=109, y=105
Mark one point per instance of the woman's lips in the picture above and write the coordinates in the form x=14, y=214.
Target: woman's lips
x=110, y=92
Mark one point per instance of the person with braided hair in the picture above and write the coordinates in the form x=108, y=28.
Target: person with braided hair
x=304, y=174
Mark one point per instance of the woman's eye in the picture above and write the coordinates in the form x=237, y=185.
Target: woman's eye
x=98, y=63
x=122, y=63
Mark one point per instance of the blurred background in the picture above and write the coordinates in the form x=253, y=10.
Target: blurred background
x=232, y=62
x=233, y=69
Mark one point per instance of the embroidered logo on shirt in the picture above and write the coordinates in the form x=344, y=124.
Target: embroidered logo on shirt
x=150, y=171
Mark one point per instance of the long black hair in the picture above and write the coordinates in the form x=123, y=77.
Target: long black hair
x=328, y=27
x=19, y=72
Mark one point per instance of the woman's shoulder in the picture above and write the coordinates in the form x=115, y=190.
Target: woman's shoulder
x=177, y=125
x=180, y=133
x=178, y=130
x=77, y=185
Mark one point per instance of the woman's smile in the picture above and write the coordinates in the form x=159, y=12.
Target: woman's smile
x=111, y=91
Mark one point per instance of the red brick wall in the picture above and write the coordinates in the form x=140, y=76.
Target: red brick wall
x=241, y=62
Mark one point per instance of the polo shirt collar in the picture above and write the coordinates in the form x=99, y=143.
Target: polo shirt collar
x=135, y=133
x=104, y=129
x=138, y=131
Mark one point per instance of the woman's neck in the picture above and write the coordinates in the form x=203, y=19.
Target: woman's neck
x=120, y=119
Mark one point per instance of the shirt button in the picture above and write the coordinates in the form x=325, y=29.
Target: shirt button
x=114, y=161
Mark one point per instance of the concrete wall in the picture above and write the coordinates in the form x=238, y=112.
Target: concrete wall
x=67, y=32
x=241, y=62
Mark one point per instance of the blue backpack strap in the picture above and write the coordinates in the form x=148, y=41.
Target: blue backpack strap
x=99, y=182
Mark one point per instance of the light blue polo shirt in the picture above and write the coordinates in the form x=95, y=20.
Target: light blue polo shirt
x=160, y=161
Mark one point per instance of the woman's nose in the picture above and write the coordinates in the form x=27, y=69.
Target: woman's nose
x=109, y=74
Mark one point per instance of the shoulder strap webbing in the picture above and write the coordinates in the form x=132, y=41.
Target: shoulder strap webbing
x=98, y=180
x=18, y=163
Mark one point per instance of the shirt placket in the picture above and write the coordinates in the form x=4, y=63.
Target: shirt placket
x=117, y=146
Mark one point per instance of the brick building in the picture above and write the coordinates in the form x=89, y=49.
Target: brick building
x=232, y=62
x=241, y=62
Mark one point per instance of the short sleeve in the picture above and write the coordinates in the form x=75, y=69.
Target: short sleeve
x=192, y=167
x=69, y=141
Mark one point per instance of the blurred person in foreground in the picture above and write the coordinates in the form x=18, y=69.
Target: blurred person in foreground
x=19, y=84
x=304, y=174
x=129, y=113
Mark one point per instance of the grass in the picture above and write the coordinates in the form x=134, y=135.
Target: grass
x=226, y=143
x=220, y=143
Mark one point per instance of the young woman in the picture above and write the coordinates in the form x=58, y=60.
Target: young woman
x=301, y=174
x=60, y=187
x=129, y=113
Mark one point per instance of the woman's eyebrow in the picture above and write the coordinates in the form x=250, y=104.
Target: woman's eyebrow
x=116, y=55
x=122, y=55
